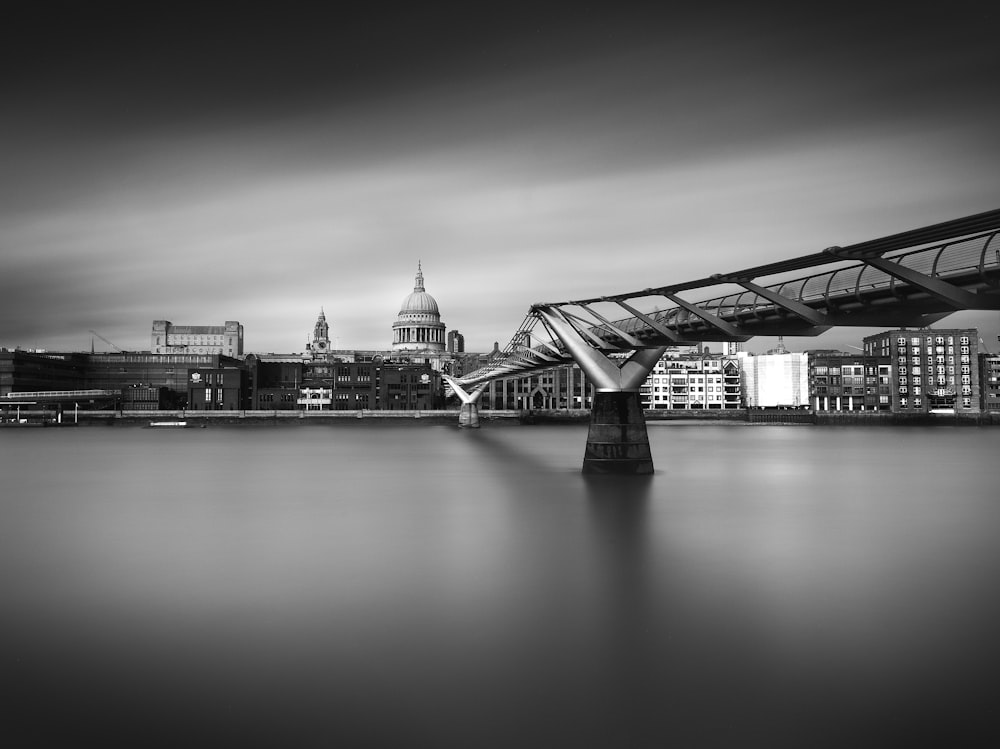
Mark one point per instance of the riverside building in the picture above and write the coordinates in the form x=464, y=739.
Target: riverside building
x=849, y=382
x=989, y=381
x=932, y=370
x=775, y=380
x=693, y=382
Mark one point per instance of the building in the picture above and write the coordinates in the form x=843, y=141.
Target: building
x=25, y=371
x=932, y=371
x=218, y=389
x=275, y=381
x=456, y=342
x=775, y=380
x=136, y=375
x=692, y=382
x=849, y=382
x=563, y=387
x=418, y=325
x=989, y=381
x=408, y=387
x=167, y=338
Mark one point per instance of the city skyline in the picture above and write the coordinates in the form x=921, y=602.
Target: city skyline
x=259, y=168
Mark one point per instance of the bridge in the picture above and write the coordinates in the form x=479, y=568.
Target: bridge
x=910, y=279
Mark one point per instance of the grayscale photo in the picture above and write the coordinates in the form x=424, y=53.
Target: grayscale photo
x=499, y=376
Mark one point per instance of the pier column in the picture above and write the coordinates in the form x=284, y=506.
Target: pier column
x=617, y=441
x=468, y=414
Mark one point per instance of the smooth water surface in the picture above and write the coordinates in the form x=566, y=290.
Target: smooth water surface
x=411, y=585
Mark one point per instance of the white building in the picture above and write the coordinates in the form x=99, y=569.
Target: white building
x=692, y=382
x=775, y=380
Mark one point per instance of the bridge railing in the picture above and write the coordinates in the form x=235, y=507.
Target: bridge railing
x=974, y=256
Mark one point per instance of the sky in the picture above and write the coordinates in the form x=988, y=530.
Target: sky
x=171, y=162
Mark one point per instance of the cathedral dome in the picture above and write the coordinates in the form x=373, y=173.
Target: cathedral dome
x=420, y=302
x=418, y=325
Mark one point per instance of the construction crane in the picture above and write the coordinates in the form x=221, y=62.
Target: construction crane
x=106, y=341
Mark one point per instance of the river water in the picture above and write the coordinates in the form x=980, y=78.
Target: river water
x=407, y=584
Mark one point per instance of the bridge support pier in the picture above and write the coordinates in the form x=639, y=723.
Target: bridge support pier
x=468, y=414
x=617, y=441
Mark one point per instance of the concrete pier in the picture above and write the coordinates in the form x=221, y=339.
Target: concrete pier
x=618, y=441
x=468, y=415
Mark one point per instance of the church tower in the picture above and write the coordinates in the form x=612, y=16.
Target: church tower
x=320, y=345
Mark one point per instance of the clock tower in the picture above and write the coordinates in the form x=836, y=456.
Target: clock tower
x=320, y=345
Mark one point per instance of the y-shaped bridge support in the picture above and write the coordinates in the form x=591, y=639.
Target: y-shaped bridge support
x=617, y=441
x=468, y=416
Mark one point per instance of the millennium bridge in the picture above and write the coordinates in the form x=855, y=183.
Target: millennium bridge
x=910, y=279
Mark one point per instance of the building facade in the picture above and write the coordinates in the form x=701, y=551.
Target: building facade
x=456, y=342
x=218, y=389
x=989, y=381
x=564, y=387
x=693, y=382
x=136, y=375
x=167, y=338
x=775, y=380
x=847, y=382
x=25, y=371
x=932, y=370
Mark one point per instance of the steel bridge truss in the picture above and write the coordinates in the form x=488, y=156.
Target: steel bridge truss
x=910, y=279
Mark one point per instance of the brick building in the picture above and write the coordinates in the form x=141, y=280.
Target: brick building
x=932, y=370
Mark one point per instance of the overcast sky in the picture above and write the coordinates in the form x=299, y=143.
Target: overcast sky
x=202, y=167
